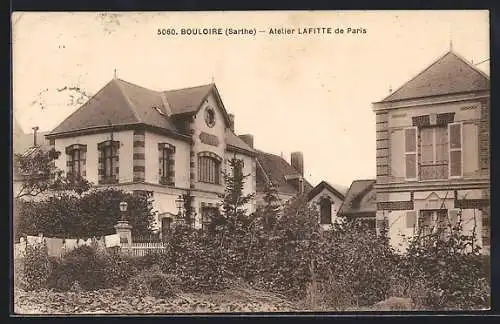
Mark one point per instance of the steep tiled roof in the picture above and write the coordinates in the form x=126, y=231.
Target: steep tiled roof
x=235, y=141
x=360, y=198
x=188, y=99
x=274, y=168
x=322, y=185
x=122, y=103
x=447, y=75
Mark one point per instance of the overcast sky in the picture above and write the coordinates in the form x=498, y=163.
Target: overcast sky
x=309, y=93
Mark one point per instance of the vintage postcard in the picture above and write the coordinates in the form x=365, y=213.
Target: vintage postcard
x=239, y=162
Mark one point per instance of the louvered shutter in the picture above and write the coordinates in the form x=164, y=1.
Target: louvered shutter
x=455, y=149
x=411, y=153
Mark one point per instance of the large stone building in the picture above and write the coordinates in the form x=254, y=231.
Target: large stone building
x=433, y=162
x=167, y=143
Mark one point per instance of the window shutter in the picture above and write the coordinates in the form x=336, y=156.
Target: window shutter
x=455, y=149
x=411, y=219
x=411, y=153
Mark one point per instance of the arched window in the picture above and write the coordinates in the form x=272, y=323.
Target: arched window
x=325, y=211
x=209, y=167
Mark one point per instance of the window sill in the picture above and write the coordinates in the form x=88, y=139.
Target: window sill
x=166, y=182
x=211, y=183
x=108, y=181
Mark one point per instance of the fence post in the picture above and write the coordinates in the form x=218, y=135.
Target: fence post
x=124, y=231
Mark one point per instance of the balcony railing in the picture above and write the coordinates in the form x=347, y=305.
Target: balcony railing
x=434, y=171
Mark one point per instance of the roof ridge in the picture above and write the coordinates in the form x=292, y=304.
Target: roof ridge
x=131, y=104
x=135, y=85
x=192, y=87
x=417, y=75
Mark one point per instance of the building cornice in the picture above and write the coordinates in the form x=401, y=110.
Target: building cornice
x=116, y=128
x=426, y=101
x=459, y=184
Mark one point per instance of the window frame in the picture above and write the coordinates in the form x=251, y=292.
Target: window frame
x=205, y=170
x=70, y=160
x=114, y=149
x=325, y=200
x=450, y=150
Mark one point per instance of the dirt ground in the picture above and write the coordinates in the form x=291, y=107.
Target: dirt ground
x=118, y=301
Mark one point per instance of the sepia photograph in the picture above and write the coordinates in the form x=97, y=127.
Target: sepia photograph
x=229, y=162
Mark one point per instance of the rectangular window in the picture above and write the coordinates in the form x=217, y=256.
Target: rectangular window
x=433, y=153
x=108, y=162
x=76, y=155
x=455, y=149
x=165, y=164
x=431, y=221
x=109, y=171
x=411, y=153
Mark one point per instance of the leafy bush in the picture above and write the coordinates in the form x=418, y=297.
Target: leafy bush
x=36, y=267
x=94, y=213
x=154, y=283
x=91, y=270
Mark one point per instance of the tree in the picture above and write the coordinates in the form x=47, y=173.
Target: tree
x=234, y=213
x=39, y=174
x=95, y=213
x=271, y=207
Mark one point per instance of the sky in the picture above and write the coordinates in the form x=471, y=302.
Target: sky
x=311, y=92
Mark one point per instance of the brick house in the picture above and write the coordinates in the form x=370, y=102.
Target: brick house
x=167, y=143
x=433, y=163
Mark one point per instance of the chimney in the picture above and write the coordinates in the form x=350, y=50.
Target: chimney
x=297, y=162
x=247, y=138
x=231, y=122
x=35, y=129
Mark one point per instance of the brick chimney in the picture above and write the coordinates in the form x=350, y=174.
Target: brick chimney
x=247, y=138
x=297, y=162
x=231, y=122
x=35, y=130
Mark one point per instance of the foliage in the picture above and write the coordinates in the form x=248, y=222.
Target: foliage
x=91, y=214
x=449, y=269
x=153, y=282
x=234, y=214
x=90, y=269
x=36, y=267
x=39, y=174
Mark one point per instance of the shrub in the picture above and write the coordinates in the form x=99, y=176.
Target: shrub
x=36, y=267
x=91, y=270
x=153, y=282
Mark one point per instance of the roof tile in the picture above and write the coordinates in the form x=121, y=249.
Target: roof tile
x=449, y=74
